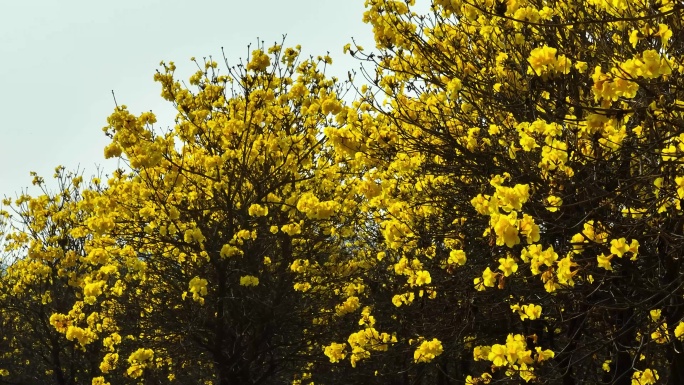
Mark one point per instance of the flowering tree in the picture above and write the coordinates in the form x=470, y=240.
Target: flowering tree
x=219, y=208
x=41, y=278
x=526, y=159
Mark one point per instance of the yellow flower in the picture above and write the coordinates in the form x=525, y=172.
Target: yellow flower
x=604, y=261
x=84, y=336
x=349, y=305
x=478, y=282
x=481, y=353
x=646, y=377
x=291, y=229
x=554, y=203
x=649, y=376
x=302, y=286
x=544, y=355
x=541, y=60
x=109, y=362
x=532, y=311
x=634, y=249
x=661, y=335
x=260, y=61
x=619, y=247
x=563, y=271
x=606, y=365
x=331, y=106
x=665, y=34
x=335, y=352
x=634, y=37
x=497, y=355
x=457, y=257
x=198, y=285
x=403, y=299
x=228, y=251
x=577, y=242
x=652, y=64
x=527, y=142
x=515, y=350
x=529, y=229
x=193, y=235
x=99, y=381
x=91, y=291
x=249, y=280
x=507, y=266
x=655, y=314
x=257, y=210
x=581, y=66
x=504, y=227
x=549, y=285
x=198, y=288
x=489, y=277
x=525, y=373
x=422, y=278
x=428, y=350
x=679, y=330
x=113, y=150
x=139, y=360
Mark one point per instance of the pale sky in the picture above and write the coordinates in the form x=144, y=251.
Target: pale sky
x=60, y=61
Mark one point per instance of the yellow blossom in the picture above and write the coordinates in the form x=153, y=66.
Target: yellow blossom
x=497, y=355
x=606, y=365
x=457, y=257
x=508, y=266
x=679, y=330
x=428, y=350
x=257, y=210
x=249, y=280
x=604, y=261
x=619, y=246
x=422, y=278
x=335, y=352
x=645, y=377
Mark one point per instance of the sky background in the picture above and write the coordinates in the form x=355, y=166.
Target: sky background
x=60, y=61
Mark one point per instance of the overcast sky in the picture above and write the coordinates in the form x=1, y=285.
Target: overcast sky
x=60, y=61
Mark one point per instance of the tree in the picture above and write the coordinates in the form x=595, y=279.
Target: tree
x=530, y=179
x=42, y=278
x=204, y=229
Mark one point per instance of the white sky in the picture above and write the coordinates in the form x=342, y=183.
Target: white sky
x=60, y=60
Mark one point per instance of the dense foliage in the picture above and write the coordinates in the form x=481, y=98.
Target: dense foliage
x=497, y=199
